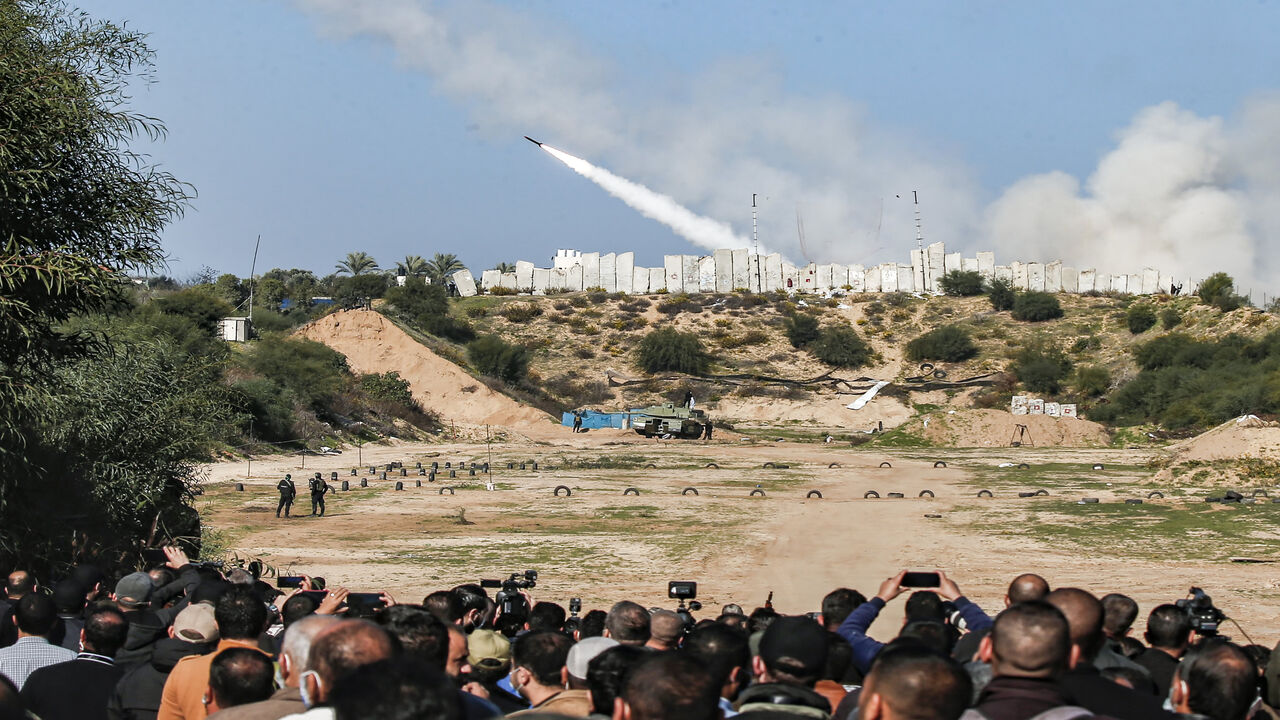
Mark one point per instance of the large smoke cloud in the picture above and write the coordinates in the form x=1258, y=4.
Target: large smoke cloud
x=1183, y=193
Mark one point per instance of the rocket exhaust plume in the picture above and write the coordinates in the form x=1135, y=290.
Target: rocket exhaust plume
x=703, y=231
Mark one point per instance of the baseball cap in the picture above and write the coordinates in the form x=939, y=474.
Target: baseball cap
x=196, y=624
x=795, y=645
x=488, y=649
x=584, y=652
x=134, y=589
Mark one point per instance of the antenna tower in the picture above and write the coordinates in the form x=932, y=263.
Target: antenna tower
x=252, y=267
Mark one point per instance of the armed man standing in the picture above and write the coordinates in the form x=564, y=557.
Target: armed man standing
x=318, y=488
x=288, y=491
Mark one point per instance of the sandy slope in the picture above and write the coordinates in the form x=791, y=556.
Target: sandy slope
x=1232, y=440
x=997, y=428
x=374, y=344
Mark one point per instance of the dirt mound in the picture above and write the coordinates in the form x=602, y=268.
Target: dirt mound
x=820, y=410
x=997, y=428
x=374, y=344
x=1244, y=437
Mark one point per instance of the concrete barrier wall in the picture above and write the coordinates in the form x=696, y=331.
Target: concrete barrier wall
x=736, y=269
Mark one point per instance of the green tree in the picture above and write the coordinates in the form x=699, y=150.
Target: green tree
x=839, y=345
x=357, y=263
x=1140, y=318
x=311, y=371
x=1041, y=366
x=1092, y=380
x=949, y=342
x=1001, y=294
x=961, y=283
x=505, y=267
x=1036, y=307
x=493, y=356
x=802, y=329
x=669, y=349
x=412, y=266
x=1218, y=290
x=443, y=265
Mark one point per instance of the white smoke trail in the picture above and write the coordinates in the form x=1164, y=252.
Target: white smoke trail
x=699, y=230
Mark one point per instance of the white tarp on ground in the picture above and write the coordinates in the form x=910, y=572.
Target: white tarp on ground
x=867, y=396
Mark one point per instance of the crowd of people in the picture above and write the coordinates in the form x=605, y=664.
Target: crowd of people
x=186, y=640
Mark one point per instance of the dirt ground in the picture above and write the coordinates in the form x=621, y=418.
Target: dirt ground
x=602, y=545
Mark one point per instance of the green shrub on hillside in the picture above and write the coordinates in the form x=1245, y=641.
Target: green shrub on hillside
x=667, y=349
x=1036, y=307
x=495, y=357
x=949, y=342
x=1092, y=380
x=1041, y=366
x=1001, y=294
x=802, y=329
x=1170, y=318
x=1218, y=290
x=311, y=371
x=1140, y=318
x=520, y=312
x=961, y=283
x=839, y=345
x=388, y=387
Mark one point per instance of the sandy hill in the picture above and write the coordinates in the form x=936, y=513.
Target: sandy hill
x=373, y=344
x=1244, y=437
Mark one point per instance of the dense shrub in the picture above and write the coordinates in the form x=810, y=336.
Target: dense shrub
x=840, y=345
x=493, y=356
x=949, y=342
x=667, y=349
x=204, y=308
x=449, y=328
x=750, y=337
x=311, y=371
x=389, y=387
x=802, y=329
x=1218, y=290
x=1140, y=318
x=1001, y=294
x=520, y=312
x=1041, y=366
x=1036, y=307
x=1170, y=318
x=961, y=283
x=477, y=311
x=1092, y=380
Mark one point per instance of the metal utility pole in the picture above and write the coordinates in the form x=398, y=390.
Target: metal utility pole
x=252, y=268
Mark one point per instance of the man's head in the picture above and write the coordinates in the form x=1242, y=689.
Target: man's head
x=1217, y=679
x=421, y=634
x=1169, y=629
x=793, y=651
x=726, y=654
x=337, y=651
x=456, y=665
x=240, y=614
x=477, y=608
x=445, y=605
x=239, y=676
x=668, y=686
x=546, y=616
x=665, y=629
x=837, y=605
x=489, y=655
x=298, y=607
x=628, y=623
x=538, y=662
x=932, y=633
x=1025, y=588
x=580, y=657
x=20, y=583
x=195, y=624
x=1084, y=618
x=911, y=682
x=1118, y=613
x=606, y=673
x=925, y=605
x=1029, y=640
x=133, y=591
x=35, y=614
x=295, y=651
x=396, y=689
x=592, y=624
x=68, y=597
x=105, y=630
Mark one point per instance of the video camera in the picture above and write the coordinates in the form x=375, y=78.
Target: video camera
x=1205, y=618
x=509, y=600
x=683, y=590
x=573, y=622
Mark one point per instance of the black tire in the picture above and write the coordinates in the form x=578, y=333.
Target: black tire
x=1042, y=492
x=770, y=465
x=565, y=488
x=688, y=490
x=833, y=465
x=650, y=466
x=711, y=466
x=886, y=464
x=756, y=492
x=446, y=488
x=239, y=487
x=399, y=485
x=1213, y=499
x=1089, y=501
x=870, y=494
x=631, y=491
x=1023, y=466
x=364, y=482
x=346, y=485
x=939, y=374
x=926, y=493
x=895, y=495
x=1261, y=493
x=1155, y=494
x=926, y=367
x=985, y=493
x=939, y=464
x=932, y=516
x=1026, y=494
x=1133, y=501
x=818, y=494
x=1099, y=466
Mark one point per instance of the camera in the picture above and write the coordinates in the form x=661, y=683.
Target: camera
x=509, y=600
x=683, y=590
x=1205, y=618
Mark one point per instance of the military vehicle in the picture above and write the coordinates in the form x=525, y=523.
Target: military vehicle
x=669, y=420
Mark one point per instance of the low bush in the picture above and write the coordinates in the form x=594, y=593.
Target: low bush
x=1140, y=318
x=1092, y=380
x=520, y=312
x=949, y=342
x=1041, y=366
x=1170, y=318
x=493, y=356
x=1036, y=307
x=839, y=345
x=802, y=329
x=961, y=283
x=667, y=349
x=1001, y=294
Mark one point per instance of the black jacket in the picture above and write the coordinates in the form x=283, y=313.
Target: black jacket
x=781, y=697
x=1087, y=688
x=287, y=488
x=1161, y=665
x=73, y=690
x=137, y=695
x=1015, y=698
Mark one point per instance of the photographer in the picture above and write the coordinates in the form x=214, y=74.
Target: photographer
x=1169, y=634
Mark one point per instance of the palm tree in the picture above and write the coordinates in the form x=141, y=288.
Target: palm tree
x=412, y=265
x=443, y=265
x=505, y=267
x=357, y=263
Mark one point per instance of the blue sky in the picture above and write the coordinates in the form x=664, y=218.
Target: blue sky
x=331, y=126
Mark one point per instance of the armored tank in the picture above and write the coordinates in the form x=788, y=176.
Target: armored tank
x=669, y=420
